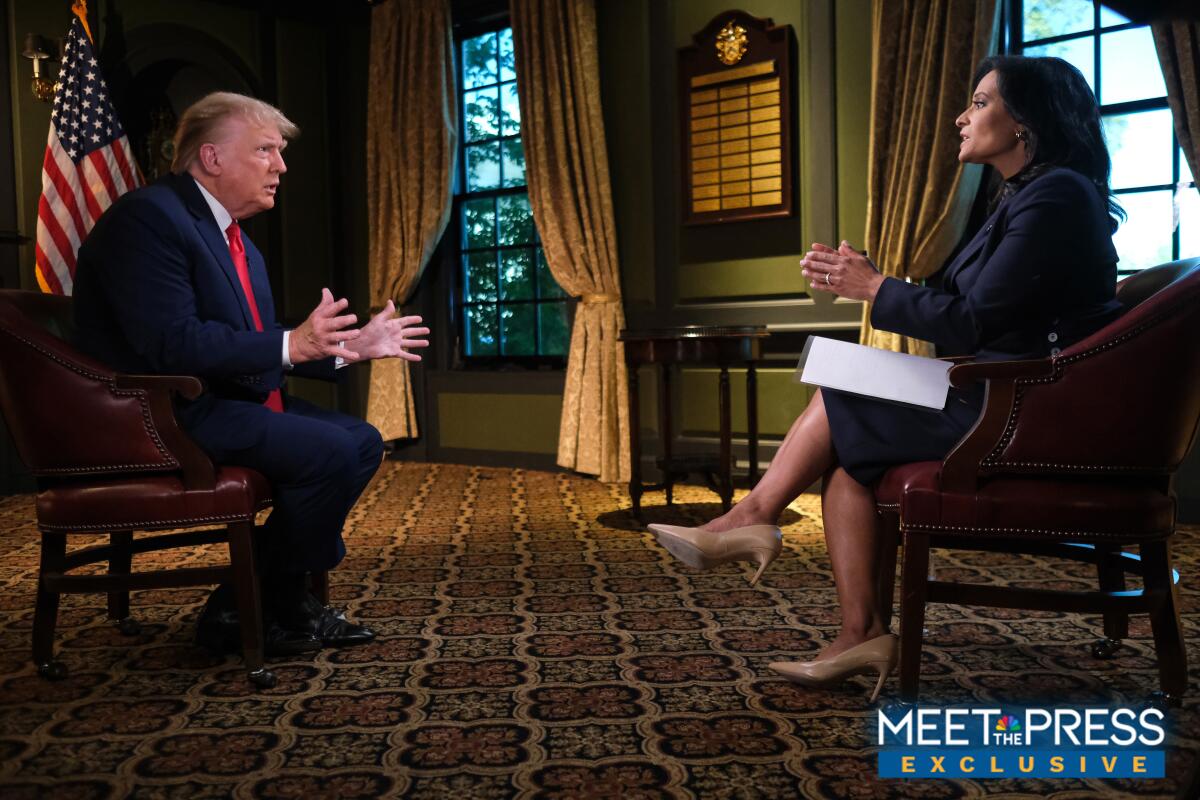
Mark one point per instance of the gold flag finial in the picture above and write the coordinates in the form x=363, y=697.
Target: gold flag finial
x=79, y=8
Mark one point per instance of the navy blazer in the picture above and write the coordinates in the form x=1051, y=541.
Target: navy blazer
x=1038, y=276
x=156, y=292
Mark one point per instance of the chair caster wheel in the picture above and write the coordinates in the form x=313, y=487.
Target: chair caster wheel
x=53, y=670
x=262, y=678
x=1106, y=648
x=1164, y=701
x=129, y=626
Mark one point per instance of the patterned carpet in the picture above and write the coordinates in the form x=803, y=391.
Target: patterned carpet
x=534, y=643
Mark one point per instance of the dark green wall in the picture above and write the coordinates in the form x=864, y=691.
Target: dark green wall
x=735, y=273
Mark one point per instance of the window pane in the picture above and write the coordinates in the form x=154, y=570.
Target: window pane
x=1109, y=17
x=514, y=162
x=1189, y=223
x=1145, y=237
x=517, y=330
x=479, y=223
x=552, y=325
x=516, y=220
x=479, y=60
x=1046, y=18
x=508, y=70
x=547, y=286
x=1129, y=67
x=481, y=113
x=510, y=109
x=483, y=166
x=1185, y=172
x=1080, y=53
x=516, y=275
x=480, y=322
x=481, y=276
x=1140, y=146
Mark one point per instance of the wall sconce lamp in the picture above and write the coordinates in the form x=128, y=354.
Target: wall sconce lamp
x=37, y=49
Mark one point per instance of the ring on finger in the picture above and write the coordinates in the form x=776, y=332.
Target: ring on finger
x=827, y=280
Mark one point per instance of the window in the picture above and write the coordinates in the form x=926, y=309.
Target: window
x=509, y=305
x=1150, y=175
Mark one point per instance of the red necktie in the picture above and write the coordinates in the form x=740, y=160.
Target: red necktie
x=237, y=251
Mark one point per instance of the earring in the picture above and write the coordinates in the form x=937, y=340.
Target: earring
x=1022, y=136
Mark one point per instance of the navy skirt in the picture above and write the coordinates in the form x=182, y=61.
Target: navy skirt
x=870, y=435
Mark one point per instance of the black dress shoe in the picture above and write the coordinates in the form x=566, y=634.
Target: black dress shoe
x=219, y=630
x=325, y=623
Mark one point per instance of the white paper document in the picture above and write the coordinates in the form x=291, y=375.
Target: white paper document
x=871, y=372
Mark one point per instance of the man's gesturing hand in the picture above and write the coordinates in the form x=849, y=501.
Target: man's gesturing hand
x=324, y=333
x=388, y=335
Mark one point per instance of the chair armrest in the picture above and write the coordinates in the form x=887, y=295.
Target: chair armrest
x=198, y=469
x=185, y=385
x=961, y=467
x=965, y=374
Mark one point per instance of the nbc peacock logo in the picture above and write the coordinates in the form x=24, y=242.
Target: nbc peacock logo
x=1008, y=724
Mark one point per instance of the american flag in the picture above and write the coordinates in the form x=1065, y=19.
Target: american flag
x=88, y=162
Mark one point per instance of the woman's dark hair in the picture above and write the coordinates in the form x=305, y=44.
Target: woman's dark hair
x=1051, y=100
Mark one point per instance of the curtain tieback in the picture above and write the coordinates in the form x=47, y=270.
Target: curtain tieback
x=591, y=299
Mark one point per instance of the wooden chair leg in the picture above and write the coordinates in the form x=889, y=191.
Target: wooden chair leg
x=1111, y=577
x=1164, y=619
x=245, y=584
x=318, y=584
x=120, y=563
x=45, y=612
x=889, y=543
x=913, y=591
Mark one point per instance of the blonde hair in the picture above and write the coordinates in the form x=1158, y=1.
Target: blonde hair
x=202, y=119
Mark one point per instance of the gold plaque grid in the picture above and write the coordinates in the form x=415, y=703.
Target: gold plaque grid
x=735, y=139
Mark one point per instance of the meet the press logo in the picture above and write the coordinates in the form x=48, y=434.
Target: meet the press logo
x=1034, y=742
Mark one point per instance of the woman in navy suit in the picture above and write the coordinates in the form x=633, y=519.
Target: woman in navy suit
x=1039, y=275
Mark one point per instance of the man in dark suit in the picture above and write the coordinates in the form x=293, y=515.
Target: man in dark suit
x=167, y=283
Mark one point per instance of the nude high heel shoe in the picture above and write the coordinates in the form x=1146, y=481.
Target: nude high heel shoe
x=703, y=549
x=879, y=654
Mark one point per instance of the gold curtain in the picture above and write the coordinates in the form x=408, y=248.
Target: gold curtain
x=918, y=197
x=1178, y=46
x=566, y=167
x=412, y=135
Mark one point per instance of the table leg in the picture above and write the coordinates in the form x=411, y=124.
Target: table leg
x=726, y=471
x=752, y=423
x=635, y=445
x=664, y=430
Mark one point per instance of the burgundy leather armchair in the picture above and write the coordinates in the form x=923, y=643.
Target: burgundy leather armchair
x=1072, y=456
x=109, y=457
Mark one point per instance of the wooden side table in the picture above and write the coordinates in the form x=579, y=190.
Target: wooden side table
x=722, y=346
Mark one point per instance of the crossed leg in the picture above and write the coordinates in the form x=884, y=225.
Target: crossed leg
x=848, y=510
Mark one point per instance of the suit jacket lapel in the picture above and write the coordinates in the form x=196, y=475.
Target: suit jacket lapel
x=213, y=237
x=968, y=254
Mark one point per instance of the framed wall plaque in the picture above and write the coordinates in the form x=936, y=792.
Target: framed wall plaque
x=736, y=101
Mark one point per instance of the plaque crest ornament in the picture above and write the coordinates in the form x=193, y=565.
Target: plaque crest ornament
x=731, y=43
x=737, y=114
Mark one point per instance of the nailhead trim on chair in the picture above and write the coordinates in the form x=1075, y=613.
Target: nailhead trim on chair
x=157, y=466
x=993, y=458
x=161, y=523
x=1032, y=531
